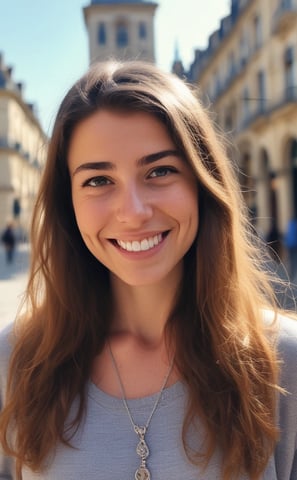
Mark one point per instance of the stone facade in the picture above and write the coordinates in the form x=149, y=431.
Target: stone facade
x=248, y=78
x=22, y=153
x=120, y=29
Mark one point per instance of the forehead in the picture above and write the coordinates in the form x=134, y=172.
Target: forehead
x=111, y=133
x=110, y=120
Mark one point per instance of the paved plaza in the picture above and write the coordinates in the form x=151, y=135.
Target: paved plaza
x=13, y=279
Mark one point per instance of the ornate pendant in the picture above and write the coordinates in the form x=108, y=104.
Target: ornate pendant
x=142, y=449
x=142, y=473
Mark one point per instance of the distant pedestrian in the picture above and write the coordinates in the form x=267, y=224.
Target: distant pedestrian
x=8, y=239
x=290, y=241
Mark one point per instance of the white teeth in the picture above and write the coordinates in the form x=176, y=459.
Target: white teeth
x=151, y=242
x=136, y=246
x=143, y=245
x=157, y=239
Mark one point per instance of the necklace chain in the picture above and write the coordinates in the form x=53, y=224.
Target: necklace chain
x=142, y=473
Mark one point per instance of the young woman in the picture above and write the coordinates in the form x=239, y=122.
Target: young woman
x=151, y=347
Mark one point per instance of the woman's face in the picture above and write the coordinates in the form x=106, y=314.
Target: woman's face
x=134, y=197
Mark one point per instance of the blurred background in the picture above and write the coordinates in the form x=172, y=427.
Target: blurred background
x=242, y=54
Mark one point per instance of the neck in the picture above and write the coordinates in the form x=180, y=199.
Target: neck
x=142, y=311
x=137, y=338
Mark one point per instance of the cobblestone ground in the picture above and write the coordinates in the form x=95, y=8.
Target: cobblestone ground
x=13, y=279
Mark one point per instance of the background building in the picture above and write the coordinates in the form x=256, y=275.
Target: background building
x=22, y=153
x=248, y=75
x=121, y=29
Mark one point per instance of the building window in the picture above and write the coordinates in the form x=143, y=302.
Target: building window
x=2, y=80
x=16, y=208
x=142, y=30
x=246, y=104
x=289, y=72
x=258, y=31
x=217, y=84
x=261, y=91
x=102, y=33
x=228, y=120
x=122, y=37
x=244, y=49
x=231, y=66
x=230, y=117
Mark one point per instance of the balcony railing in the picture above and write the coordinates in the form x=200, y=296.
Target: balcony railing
x=264, y=109
x=237, y=69
x=255, y=116
x=14, y=146
x=289, y=97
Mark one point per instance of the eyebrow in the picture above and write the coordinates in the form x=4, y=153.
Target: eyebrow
x=146, y=160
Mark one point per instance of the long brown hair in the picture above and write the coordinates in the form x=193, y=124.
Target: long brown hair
x=223, y=353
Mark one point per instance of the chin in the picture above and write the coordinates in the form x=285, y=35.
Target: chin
x=139, y=282
x=140, y=279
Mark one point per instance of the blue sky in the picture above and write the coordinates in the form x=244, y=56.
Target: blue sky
x=46, y=42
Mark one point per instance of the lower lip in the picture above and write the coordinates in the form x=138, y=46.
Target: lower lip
x=141, y=253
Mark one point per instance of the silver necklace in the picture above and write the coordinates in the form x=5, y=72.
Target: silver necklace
x=142, y=472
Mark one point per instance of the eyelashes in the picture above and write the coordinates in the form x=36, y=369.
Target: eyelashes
x=102, y=181
x=162, y=171
x=98, y=181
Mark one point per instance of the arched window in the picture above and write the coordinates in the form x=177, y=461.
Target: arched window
x=102, y=33
x=142, y=30
x=122, y=37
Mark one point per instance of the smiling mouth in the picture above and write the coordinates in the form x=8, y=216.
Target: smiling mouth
x=142, y=245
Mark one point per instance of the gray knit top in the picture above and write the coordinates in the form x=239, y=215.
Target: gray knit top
x=103, y=448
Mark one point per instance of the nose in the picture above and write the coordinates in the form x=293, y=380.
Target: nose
x=134, y=206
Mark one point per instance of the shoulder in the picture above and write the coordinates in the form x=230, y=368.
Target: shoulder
x=287, y=340
x=287, y=352
x=286, y=344
x=283, y=331
x=6, y=341
x=285, y=327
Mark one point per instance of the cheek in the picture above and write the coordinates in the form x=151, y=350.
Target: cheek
x=190, y=214
x=185, y=203
x=88, y=216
